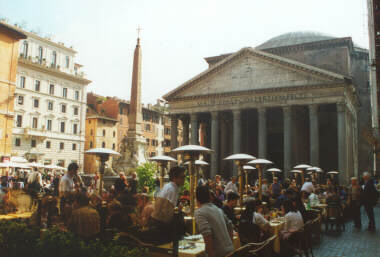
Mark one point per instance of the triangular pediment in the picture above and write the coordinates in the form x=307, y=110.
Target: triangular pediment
x=250, y=69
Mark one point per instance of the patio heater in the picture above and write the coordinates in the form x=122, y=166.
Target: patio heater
x=260, y=163
x=162, y=163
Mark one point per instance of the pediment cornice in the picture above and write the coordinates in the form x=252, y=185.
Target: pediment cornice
x=329, y=76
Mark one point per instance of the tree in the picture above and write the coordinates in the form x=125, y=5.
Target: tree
x=146, y=176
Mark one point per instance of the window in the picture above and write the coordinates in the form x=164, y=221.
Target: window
x=19, y=121
x=49, y=125
x=20, y=100
x=50, y=105
x=104, y=132
x=18, y=142
x=64, y=92
x=36, y=103
x=54, y=59
x=76, y=110
x=147, y=127
x=120, y=109
x=62, y=127
x=61, y=146
x=40, y=52
x=48, y=144
x=63, y=108
x=113, y=146
x=167, y=131
x=37, y=85
x=34, y=122
x=147, y=141
x=90, y=144
x=104, y=144
x=51, y=89
x=114, y=134
x=33, y=143
x=22, y=81
x=75, y=129
x=67, y=62
x=76, y=95
x=74, y=147
x=91, y=132
x=25, y=49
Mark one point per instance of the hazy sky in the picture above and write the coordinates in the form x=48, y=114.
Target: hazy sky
x=176, y=34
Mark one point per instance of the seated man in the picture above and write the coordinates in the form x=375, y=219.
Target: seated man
x=167, y=198
x=214, y=226
x=84, y=221
x=228, y=208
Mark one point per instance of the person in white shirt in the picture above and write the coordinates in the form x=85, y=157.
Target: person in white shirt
x=231, y=186
x=66, y=185
x=171, y=190
x=293, y=219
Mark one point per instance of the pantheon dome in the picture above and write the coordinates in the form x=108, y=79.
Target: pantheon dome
x=294, y=38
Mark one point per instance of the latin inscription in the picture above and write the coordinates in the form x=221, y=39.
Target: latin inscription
x=252, y=99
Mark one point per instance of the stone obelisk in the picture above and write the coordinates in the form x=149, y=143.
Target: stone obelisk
x=133, y=146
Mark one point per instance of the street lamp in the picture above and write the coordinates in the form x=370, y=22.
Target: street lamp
x=260, y=163
x=240, y=159
x=302, y=168
x=162, y=162
x=104, y=155
x=190, y=154
x=247, y=168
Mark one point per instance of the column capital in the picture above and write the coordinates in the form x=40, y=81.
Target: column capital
x=340, y=107
x=236, y=114
x=287, y=110
x=193, y=116
x=214, y=114
x=261, y=110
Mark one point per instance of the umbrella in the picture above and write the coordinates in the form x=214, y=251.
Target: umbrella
x=14, y=165
x=36, y=165
x=19, y=159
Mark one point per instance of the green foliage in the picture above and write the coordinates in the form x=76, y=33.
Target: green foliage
x=146, y=173
x=18, y=239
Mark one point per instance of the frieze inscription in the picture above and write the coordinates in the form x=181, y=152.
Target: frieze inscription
x=252, y=99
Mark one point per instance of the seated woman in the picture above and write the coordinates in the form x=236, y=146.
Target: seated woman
x=293, y=219
x=252, y=223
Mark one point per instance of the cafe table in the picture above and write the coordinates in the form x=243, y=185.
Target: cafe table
x=198, y=250
x=275, y=227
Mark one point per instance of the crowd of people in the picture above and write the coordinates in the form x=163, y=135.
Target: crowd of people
x=65, y=201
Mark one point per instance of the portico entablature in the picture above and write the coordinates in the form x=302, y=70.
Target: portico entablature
x=279, y=97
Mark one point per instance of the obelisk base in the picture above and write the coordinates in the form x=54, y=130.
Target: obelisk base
x=133, y=154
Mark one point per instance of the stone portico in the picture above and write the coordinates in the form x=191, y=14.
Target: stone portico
x=271, y=107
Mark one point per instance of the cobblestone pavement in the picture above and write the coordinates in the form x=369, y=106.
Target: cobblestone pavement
x=352, y=243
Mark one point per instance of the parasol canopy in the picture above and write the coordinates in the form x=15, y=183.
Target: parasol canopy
x=260, y=161
x=159, y=158
x=302, y=166
x=99, y=151
x=240, y=157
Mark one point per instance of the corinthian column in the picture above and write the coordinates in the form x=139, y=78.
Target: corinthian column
x=173, y=132
x=194, y=129
x=214, y=143
x=262, y=132
x=287, y=112
x=314, y=135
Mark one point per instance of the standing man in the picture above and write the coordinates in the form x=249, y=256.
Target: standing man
x=355, y=193
x=214, y=226
x=370, y=197
x=66, y=185
x=231, y=186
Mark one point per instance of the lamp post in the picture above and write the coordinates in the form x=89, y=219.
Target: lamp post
x=191, y=154
x=162, y=162
x=247, y=168
x=103, y=154
x=240, y=159
x=260, y=163
x=302, y=168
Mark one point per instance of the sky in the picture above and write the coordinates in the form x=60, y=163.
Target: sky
x=176, y=34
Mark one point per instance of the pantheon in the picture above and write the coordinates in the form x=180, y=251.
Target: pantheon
x=301, y=97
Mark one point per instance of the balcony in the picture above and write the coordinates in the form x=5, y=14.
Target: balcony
x=33, y=132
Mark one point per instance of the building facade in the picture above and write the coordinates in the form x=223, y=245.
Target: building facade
x=156, y=126
x=9, y=45
x=50, y=103
x=297, y=98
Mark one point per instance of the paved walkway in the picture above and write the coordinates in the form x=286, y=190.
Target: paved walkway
x=352, y=243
